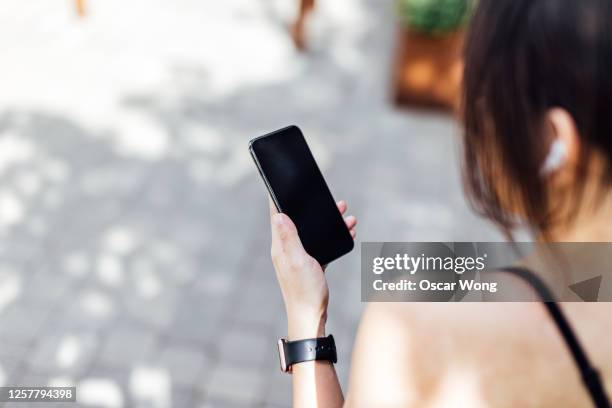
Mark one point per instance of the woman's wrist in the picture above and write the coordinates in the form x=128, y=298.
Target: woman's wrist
x=305, y=326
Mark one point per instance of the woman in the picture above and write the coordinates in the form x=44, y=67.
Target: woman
x=538, y=152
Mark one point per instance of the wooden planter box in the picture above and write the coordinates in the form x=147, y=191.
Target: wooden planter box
x=427, y=69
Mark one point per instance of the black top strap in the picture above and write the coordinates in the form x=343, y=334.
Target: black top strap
x=590, y=375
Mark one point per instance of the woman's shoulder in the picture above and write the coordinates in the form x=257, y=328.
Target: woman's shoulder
x=442, y=333
x=463, y=320
x=426, y=352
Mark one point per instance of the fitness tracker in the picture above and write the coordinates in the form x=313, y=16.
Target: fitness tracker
x=298, y=351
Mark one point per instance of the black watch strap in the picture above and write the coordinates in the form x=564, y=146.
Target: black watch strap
x=298, y=351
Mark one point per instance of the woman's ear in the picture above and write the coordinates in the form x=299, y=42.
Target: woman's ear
x=564, y=146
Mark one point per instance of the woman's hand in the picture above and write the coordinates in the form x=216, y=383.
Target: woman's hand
x=301, y=278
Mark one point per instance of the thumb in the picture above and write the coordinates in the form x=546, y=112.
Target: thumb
x=285, y=238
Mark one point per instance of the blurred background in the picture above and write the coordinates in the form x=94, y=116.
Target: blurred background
x=134, y=237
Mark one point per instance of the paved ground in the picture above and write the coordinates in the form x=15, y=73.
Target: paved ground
x=133, y=227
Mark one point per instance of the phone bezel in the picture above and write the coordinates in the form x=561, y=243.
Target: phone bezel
x=263, y=176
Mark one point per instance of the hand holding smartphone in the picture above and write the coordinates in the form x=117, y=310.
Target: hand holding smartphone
x=299, y=190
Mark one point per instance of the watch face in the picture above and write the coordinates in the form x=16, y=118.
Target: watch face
x=281, y=355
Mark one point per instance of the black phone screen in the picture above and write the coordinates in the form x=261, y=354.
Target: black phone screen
x=299, y=190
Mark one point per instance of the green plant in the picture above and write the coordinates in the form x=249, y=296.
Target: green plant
x=434, y=16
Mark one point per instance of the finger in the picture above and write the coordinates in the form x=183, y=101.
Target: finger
x=272, y=207
x=353, y=233
x=285, y=239
x=350, y=221
x=342, y=206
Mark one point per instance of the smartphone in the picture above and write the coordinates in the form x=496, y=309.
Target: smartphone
x=299, y=190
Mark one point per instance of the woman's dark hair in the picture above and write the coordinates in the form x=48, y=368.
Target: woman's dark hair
x=522, y=58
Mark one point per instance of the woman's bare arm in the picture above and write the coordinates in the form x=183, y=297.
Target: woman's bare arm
x=305, y=293
x=315, y=384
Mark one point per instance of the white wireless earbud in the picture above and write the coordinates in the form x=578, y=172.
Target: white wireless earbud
x=555, y=158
